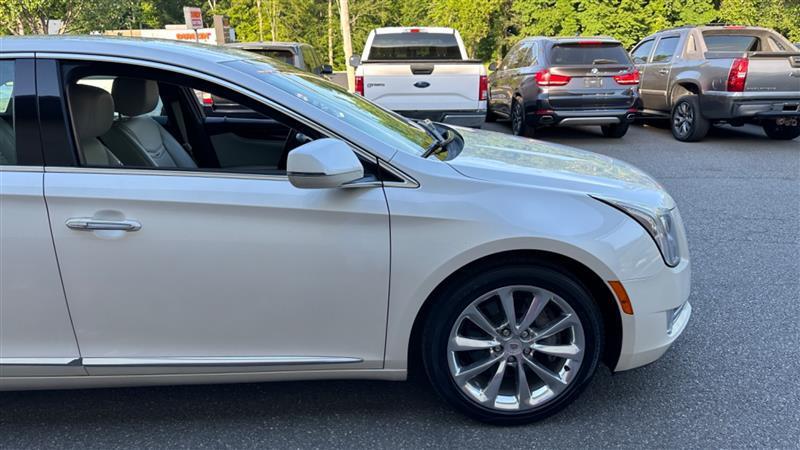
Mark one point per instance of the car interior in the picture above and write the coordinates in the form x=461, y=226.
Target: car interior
x=8, y=150
x=155, y=120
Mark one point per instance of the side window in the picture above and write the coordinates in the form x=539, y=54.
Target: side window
x=642, y=52
x=506, y=63
x=8, y=147
x=129, y=117
x=776, y=46
x=665, y=49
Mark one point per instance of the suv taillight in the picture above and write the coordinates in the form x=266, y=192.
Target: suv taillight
x=360, y=85
x=545, y=78
x=483, y=87
x=738, y=75
x=628, y=79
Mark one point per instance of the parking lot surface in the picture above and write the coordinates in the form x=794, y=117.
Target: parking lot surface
x=730, y=381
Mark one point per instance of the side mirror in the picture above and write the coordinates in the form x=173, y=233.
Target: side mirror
x=355, y=60
x=324, y=163
x=493, y=66
x=326, y=69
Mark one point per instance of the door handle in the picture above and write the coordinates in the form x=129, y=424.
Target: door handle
x=91, y=224
x=663, y=71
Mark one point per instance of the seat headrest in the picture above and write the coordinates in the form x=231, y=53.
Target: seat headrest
x=134, y=96
x=92, y=110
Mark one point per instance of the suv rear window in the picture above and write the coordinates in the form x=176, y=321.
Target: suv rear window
x=403, y=46
x=581, y=54
x=284, y=56
x=731, y=42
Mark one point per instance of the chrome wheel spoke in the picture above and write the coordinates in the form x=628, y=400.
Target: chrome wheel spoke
x=523, y=388
x=570, y=351
x=553, y=381
x=477, y=317
x=555, y=327
x=461, y=344
x=493, y=388
x=465, y=374
x=507, y=300
x=537, y=306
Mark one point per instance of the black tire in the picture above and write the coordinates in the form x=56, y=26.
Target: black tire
x=519, y=125
x=781, y=132
x=615, y=131
x=687, y=122
x=452, y=301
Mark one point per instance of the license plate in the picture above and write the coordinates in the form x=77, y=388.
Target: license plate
x=593, y=82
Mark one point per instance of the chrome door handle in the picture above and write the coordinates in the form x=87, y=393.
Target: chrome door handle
x=91, y=224
x=663, y=71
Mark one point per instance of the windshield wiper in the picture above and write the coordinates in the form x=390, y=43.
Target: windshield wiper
x=439, y=141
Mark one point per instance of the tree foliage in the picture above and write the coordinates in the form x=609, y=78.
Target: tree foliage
x=488, y=27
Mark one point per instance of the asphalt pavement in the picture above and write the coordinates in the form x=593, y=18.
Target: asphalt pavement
x=732, y=380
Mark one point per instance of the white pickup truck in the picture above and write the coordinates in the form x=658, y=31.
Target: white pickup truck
x=422, y=73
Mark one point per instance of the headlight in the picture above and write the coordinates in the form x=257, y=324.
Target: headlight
x=659, y=223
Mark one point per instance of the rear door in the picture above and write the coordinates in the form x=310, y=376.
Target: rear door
x=583, y=76
x=36, y=334
x=656, y=77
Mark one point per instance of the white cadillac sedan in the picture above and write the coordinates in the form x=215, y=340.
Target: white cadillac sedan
x=309, y=234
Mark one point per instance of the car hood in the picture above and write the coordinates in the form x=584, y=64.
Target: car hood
x=500, y=157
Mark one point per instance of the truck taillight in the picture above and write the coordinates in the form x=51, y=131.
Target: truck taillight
x=628, y=79
x=483, y=87
x=738, y=75
x=207, y=99
x=545, y=78
x=360, y=85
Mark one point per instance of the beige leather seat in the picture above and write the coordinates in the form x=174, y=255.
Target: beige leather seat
x=135, y=137
x=92, y=113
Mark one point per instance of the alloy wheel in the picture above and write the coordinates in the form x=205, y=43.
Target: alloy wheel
x=683, y=119
x=515, y=348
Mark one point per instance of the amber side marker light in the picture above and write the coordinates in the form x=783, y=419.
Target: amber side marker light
x=622, y=297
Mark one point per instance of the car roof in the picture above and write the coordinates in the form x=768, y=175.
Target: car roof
x=386, y=30
x=573, y=39
x=187, y=54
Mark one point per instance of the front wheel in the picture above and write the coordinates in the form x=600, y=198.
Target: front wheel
x=688, y=124
x=513, y=345
x=616, y=130
x=781, y=132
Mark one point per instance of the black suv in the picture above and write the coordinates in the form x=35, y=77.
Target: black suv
x=564, y=82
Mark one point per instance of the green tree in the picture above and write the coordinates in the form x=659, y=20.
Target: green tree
x=471, y=18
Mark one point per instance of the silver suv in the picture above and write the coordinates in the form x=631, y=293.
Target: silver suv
x=700, y=75
x=564, y=82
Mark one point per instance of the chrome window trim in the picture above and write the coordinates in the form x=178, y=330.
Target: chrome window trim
x=408, y=182
x=164, y=172
x=227, y=84
x=17, y=55
x=16, y=168
x=40, y=361
x=222, y=361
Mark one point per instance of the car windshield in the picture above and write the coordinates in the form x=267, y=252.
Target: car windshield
x=284, y=56
x=578, y=55
x=730, y=42
x=422, y=46
x=394, y=130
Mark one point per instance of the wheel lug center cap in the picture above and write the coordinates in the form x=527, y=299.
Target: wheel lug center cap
x=514, y=347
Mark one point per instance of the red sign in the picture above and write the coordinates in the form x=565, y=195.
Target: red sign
x=193, y=17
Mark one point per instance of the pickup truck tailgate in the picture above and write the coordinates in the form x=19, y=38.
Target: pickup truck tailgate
x=421, y=86
x=774, y=72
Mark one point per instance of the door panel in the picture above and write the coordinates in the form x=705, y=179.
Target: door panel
x=246, y=268
x=656, y=78
x=36, y=336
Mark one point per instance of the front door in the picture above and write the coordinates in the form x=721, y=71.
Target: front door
x=212, y=269
x=655, y=79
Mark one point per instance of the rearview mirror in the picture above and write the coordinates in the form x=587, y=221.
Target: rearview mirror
x=324, y=163
x=325, y=69
x=493, y=66
x=355, y=60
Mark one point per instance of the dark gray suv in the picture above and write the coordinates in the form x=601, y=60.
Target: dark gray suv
x=565, y=82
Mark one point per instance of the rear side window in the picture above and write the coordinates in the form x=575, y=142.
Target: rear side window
x=284, y=56
x=576, y=55
x=8, y=148
x=731, y=43
x=642, y=52
x=404, y=46
x=665, y=49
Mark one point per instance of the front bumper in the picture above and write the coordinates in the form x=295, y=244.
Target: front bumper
x=748, y=105
x=661, y=311
x=473, y=118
